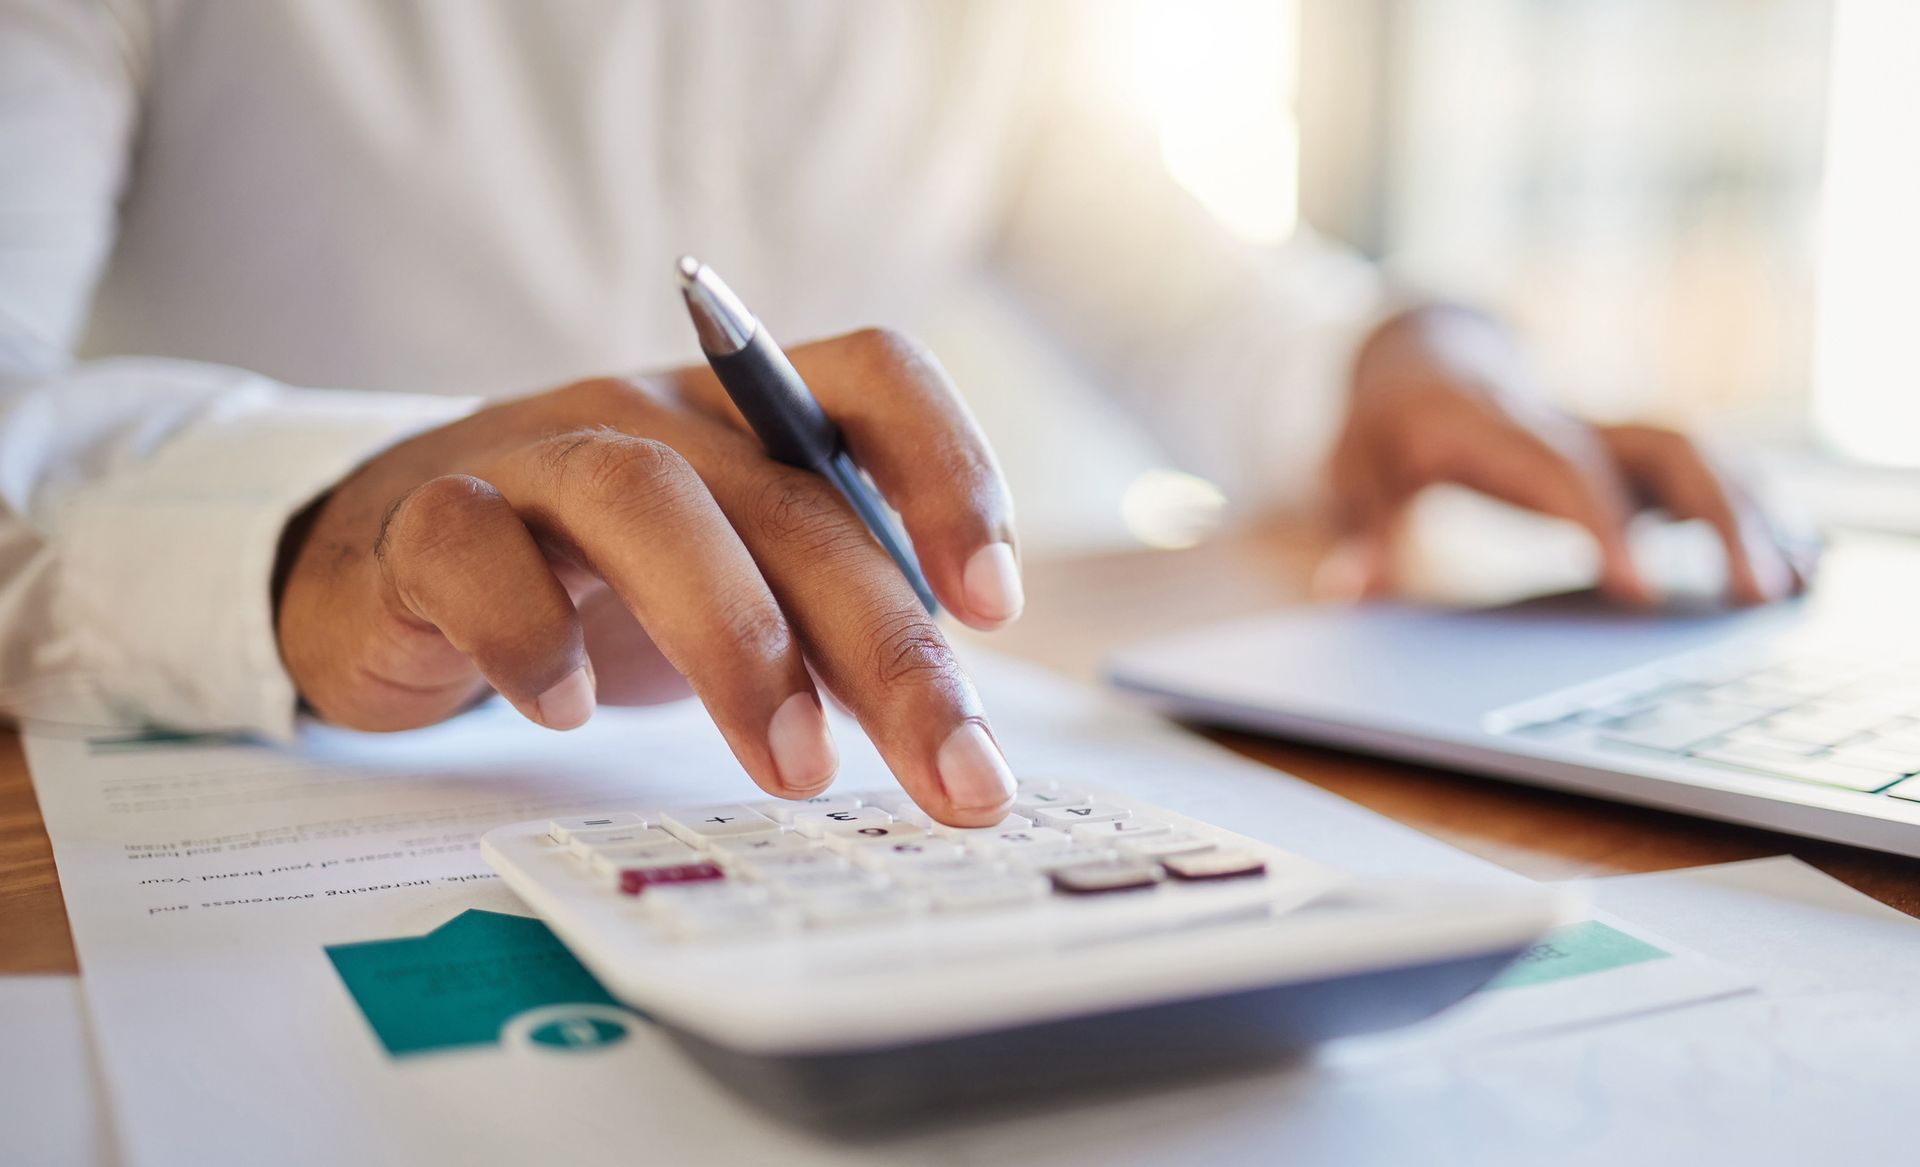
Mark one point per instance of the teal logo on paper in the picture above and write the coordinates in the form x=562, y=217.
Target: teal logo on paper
x=482, y=978
x=1574, y=951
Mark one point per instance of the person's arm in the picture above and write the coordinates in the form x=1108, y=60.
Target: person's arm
x=141, y=500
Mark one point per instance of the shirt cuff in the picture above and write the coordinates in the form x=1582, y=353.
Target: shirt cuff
x=168, y=566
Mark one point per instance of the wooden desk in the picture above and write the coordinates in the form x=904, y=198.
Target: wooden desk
x=1074, y=609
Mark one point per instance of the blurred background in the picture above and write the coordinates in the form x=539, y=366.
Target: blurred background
x=1699, y=212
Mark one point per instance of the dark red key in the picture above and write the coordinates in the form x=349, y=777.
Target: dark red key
x=635, y=880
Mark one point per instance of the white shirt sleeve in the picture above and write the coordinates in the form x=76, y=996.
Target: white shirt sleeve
x=1236, y=355
x=142, y=500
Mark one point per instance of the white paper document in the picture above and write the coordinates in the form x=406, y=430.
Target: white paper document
x=51, y=1110
x=213, y=887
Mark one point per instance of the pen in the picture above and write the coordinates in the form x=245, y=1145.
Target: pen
x=782, y=411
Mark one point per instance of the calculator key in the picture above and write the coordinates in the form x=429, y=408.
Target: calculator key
x=765, y=865
x=905, y=852
x=1116, y=831
x=608, y=861
x=870, y=906
x=1055, y=857
x=897, y=804
x=1029, y=802
x=1212, y=864
x=634, y=880
x=849, y=837
x=1012, y=822
x=932, y=871
x=783, y=810
x=585, y=843
x=1066, y=817
x=1154, y=846
x=803, y=883
x=700, y=824
x=986, y=891
x=815, y=823
x=1001, y=842
x=1098, y=878
x=561, y=830
x=669, y=899
x=730, y=845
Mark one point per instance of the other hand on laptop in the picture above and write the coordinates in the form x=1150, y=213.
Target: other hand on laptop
x=1443, y=395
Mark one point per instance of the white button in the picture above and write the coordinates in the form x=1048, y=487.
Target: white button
x=782, y=810
x=728, y=921
x=988, y=891
x=585, y=843
x=1055, y=857
x=1030, y=801
x=815, y=823
x=1001, y=842
x=701, y=823
x=801, y=884
x=1213, y=865
x=561, y=830
x=1012, y=822
x=1154, y=846
x=849, y=837
x=894, y=853
x=610, y=860
x=771, y=864
x=857, y=907
x=760, y=844
x=939, y=871
x=900, y=806
x=1065, y=817
x=684, y=899
x=1118, y=830
x=1097, y=878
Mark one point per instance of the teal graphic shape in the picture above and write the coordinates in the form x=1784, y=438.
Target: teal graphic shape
x=459, y=984
x=1575, y=951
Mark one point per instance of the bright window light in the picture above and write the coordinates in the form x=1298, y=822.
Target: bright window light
x=1866, y=389
x=1218, y=78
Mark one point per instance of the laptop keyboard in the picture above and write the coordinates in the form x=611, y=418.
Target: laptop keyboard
x=1826, y=719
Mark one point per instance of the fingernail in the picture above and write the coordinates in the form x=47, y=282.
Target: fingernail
x=802, y=745
x=569, y=704
x=992, y=583
x=972, y=771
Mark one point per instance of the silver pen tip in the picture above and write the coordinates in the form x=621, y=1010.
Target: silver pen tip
x=723, y=323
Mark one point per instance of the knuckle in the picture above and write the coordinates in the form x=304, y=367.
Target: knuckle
x=801, y=512
x=888, y=347
x=619, y=470
x=907, y=648
x=747, y=618
x=437, y=510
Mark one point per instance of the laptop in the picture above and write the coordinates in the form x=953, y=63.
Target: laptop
x=1802, y=717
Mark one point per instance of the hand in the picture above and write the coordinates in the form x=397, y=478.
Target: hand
x=464, y=560
x=1440, y=395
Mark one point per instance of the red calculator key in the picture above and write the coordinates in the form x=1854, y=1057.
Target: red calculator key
x=635, y=880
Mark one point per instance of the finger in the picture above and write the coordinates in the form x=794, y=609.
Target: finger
x=907, y=426
x=865, y=633
x=634, y=513
x=1366, y=509
x=1524, y=468
x=1674, y=472
x=458, y=562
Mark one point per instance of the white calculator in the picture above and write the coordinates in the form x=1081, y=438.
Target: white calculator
x=847, y=955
